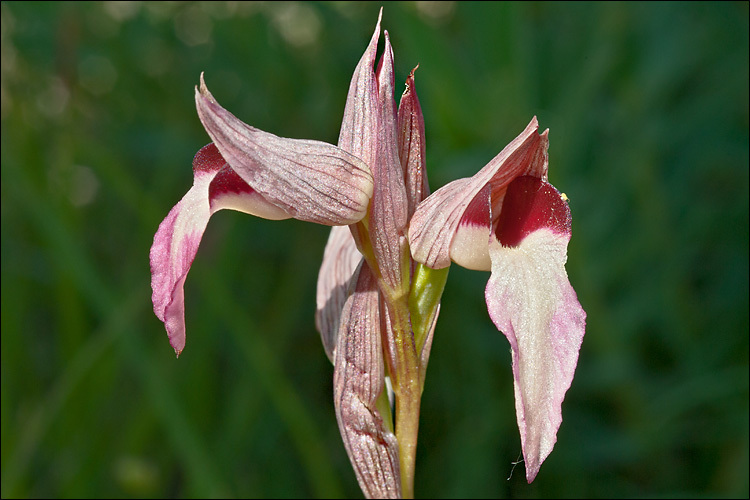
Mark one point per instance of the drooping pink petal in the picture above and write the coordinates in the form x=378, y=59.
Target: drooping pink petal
x=434, y=228
x=358, y=380
x=340, y=260
x=530, y=299
x=310, y=180
x=215, y=186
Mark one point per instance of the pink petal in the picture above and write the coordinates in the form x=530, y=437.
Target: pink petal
x=358, y=380
x=411, y=145
x=215, y=186
x=340, y=260
x=470, y=246
x=368, y=131
x=310, y=180
x=530, y=299
x=388, y=213
x=360, y=124
x=435, y=224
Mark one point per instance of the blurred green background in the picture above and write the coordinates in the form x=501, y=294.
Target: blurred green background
x=647, y=106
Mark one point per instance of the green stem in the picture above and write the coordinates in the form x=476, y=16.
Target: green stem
x=407, y=428
x=405, y=375
x=427, y=287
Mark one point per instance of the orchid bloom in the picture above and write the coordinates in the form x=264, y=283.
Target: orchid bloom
x=509, y=220
x=387, y=257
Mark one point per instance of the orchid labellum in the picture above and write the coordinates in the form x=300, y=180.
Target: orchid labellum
x=386, y=261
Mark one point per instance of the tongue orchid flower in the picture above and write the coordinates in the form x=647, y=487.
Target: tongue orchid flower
x=509, y=220
x=387, y=258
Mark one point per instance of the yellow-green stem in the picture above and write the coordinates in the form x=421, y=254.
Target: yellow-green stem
x=407, y=427
x=405, y=375
x=424, y=300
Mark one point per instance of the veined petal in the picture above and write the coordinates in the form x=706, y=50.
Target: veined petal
x=368, y=131
x=360, y=124
x=215, y=186
x=340, y=260
x=358, y=380
x=411, y=145
x=388, y=214
x=435, y=223
x=311, y=180
x=530, y=299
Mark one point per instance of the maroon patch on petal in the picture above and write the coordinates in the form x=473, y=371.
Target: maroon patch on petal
x=208, y=159
x=531, y=204
x=227, y=181
x=478, y=211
